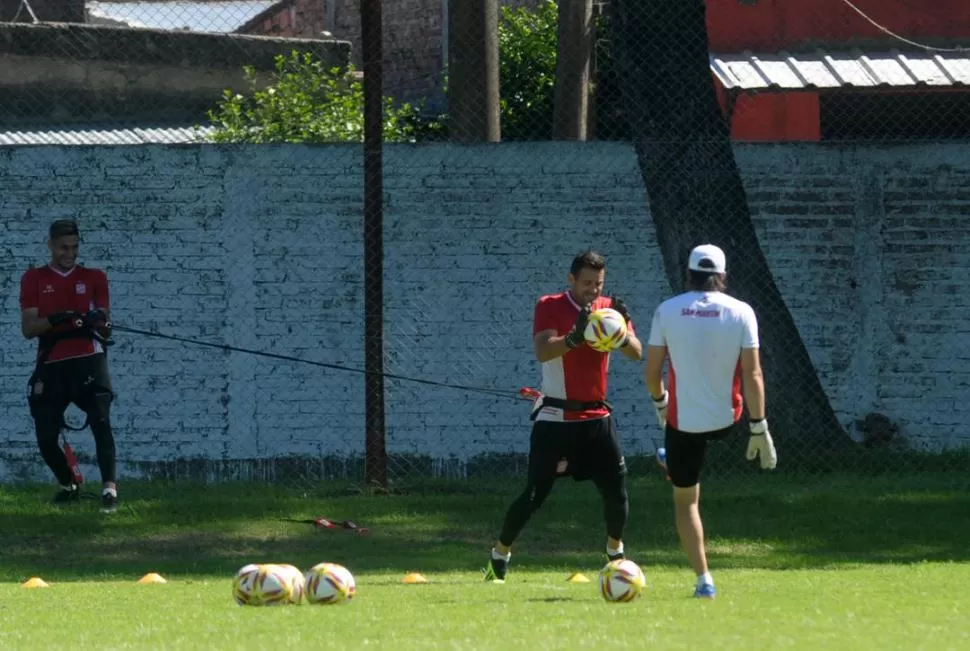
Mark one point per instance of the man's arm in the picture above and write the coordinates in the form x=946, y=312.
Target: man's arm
x=754, y=385
x=653, y=371
x=32, y=325
x=548, y=345
x=102, y=297
x=633, y=348
x=751, y=377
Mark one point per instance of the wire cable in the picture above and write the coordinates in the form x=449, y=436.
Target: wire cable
x=896, y=36
x=523, y=393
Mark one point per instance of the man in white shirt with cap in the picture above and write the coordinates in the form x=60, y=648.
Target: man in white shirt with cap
x=710, y=341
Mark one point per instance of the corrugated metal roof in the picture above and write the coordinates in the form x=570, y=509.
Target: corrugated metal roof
x=827, y=69
x=104, y=136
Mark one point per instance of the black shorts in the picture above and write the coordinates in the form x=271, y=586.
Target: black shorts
x=85, y=381
x=589, y=449
x=685, y=453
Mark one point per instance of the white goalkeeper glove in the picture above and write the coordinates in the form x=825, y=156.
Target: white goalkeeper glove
x=660, y=404
x=760, y=444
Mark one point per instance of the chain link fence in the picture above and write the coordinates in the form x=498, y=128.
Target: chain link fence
x=820, y=143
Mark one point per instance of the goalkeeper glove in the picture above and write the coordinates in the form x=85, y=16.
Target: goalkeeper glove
x=660, y=404
x=624, y=311
x=71, y=317
x=95, y=318
x=621, y=307
x=760, y=444
x=577, y=334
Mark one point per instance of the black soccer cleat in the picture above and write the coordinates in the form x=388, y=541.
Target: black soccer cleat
x=67, y=495
x=497, y=570
x=618, y=556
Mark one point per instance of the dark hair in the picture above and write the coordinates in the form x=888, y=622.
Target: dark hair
x=587, y=260
x=704, y=281
x=63, y=227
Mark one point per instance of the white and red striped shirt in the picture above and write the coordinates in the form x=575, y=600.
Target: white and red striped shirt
x=78, y=289
x=704, y=333
x=580, y=374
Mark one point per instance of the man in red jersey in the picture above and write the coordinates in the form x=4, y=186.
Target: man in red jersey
x=66, y=307
x=573, y=433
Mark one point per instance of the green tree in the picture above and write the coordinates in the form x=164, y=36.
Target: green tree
x=527, y=47
x=527, y=69
x=307, y=103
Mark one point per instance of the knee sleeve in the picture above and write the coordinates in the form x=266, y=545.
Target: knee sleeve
x=616, y=504
x=48, y=430
x=105, y=448
x=527, y=503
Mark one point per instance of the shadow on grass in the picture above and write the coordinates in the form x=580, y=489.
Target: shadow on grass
x=769, y=521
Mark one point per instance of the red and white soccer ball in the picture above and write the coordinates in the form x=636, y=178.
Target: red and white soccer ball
x=621, y=581
x=262, y=585
x=329, y=584
x=605, y=330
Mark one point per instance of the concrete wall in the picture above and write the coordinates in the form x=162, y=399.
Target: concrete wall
x=260, y=247
x=79, y=73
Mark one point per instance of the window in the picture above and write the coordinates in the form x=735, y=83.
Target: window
x=895, y=115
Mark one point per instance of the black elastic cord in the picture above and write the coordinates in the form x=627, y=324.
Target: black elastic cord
x=337, y=367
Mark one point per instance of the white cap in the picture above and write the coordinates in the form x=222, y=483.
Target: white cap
x=709, y=258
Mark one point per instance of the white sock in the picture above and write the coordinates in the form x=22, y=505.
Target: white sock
x=705, y=578
x=614, y=552
x=501, y=557
x=68, y=487
x=113, y=492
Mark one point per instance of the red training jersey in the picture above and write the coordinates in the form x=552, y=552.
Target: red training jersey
x=580, y=374
x=51, y=290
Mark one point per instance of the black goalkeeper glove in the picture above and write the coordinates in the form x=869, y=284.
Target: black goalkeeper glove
x=621, y=307
x=97, y=321
x=95, y=318
x=577, y=334
x=71, y=317
x=624, y=311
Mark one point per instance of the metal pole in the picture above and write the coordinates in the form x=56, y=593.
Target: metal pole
x=375, y=467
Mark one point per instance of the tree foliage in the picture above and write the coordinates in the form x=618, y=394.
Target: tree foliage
x=527, y=70
x=304, y=102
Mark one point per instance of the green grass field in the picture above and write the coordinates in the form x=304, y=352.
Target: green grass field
x=838, y=563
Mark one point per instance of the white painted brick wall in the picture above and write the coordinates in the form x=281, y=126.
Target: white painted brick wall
x=260, y=247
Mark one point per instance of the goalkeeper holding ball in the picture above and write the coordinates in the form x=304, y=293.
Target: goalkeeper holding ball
x=711, y=341
x=573, y=432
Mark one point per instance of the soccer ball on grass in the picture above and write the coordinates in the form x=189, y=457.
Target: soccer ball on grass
x=329, y=584
x=263, y=585
x=621, y=581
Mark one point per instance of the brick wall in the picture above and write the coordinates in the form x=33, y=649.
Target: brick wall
x=260, y=247
x=293, y=19
x=413, y=52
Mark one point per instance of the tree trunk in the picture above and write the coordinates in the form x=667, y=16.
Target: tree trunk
x=473, y=79
x=696, y=195
x=574, y=52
